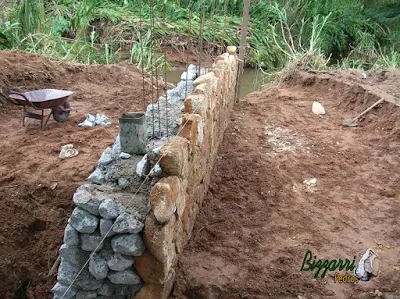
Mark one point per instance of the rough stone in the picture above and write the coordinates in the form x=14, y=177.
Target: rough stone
x=67, y=273
x=86, y=295
x=106, y=157
x=119, y=262
x=157, y=291
x=127, y=223
x=108, y=209
x=116, y=147
x=128, y=244
x=61, y=290
x=83, y=221
x=89, y=242
x=143, y=167
x=175, y=156
x=97, y=177
x=71, y=236
x=107, y=289
x=86, y=201
x=98, y=266
x=156, y=170
x=125, y=155
x=128, y=277
x=163, y=197
x=150, y=269
x=123, y=183
x=105, y=227
x=73, y=254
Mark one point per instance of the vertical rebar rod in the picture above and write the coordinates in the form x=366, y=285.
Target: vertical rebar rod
x=165, y=74
x=225, y=12
x=201, y=35
x=187, y=50
x=141, y=53
x=156, y=52
x=151, y=62
x=242, y=50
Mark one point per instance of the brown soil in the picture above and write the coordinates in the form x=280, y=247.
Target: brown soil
x=259, y=218
x=36, y=187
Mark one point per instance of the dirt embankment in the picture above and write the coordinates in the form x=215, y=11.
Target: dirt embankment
x=259, y=218
x=36, y=187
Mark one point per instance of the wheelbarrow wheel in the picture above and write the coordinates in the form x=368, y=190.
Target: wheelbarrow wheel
x=61, y=113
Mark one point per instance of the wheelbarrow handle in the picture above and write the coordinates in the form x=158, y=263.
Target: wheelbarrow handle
x=25, y=98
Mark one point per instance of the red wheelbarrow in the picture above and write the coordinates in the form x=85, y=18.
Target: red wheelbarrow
x=43, y=99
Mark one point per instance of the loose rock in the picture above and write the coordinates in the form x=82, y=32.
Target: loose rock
x=98, y=266
x=143, y=167
x=119, y=262
x=86, y=201
x=83, y=221
x=106, y=157
x=128, y=244
x=108, y=209
x=125, y=155
x=124, y=277
x=127, y=223
x=97, y=177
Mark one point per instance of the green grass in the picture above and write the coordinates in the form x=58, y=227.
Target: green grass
x=359, y=33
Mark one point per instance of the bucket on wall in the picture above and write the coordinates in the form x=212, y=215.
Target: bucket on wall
x=133, y=132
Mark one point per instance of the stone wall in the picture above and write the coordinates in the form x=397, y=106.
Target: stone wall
x=135, y=216
x=186, y=161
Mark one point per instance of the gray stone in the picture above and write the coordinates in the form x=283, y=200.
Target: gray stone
x=125, y=155
x=153, y=149
x=105, y=227
x=97, y=177
x=74, y=254
x=108, y=209
x=71, y=236
x=106, y=157
x=61, y=290
x=143, y=167
x=123, y=183
x=190, y=75
x=98, y=266
x=89, y=242
x=86, y=295
x=107, y=289
x=156, y=170
x=83, y=221
x=128, y=244
x=87, y=201
x=127, y=223
x=119, y=262
x=136, y=288
x=116, y=147
x=123, y=291
x=128, y=277
x=87, y=282
x=86, y=187
x=66, y=272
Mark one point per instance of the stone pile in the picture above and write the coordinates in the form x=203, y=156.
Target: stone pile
x=102, y=224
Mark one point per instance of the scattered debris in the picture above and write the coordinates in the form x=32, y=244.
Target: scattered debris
x=67, y=151
x=368, y=266
x=282, y=140
x=310, y=182
x=317, y=108
x=98, y=120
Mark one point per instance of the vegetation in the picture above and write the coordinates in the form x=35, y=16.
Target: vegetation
x=309, y=33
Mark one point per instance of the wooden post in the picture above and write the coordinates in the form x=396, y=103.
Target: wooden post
x=242, y=48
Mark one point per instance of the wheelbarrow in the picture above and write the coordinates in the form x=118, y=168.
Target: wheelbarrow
x=40, y=100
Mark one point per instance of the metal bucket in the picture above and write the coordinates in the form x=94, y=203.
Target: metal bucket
x=133, y=132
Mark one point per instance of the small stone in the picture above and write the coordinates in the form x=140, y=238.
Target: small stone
x=83, y=221
x=127, y=223
x=61, y=290
x=128, y=244
x=156, y=171
x=128, y=277
x=186, y=76
x=108, y=209
x=119, y=262
x=90, y=242
x=123, y=183
x=86, y=295
x=97, y=177
x=143, y=167
x=116, y=147
x=231, y=49
x=73, y=254
x=98, y=266
x=106, y=157
x=86, y=201
x=125, y=155
x=71, y=236
x=310, y=182
x=107, y=289
x=105, y=227
x=317, y=108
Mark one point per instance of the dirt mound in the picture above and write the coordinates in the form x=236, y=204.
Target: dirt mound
x=36, y=187
x=260, y=217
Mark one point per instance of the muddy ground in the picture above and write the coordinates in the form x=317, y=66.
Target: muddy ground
x=36, y=187
x=259, y=218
